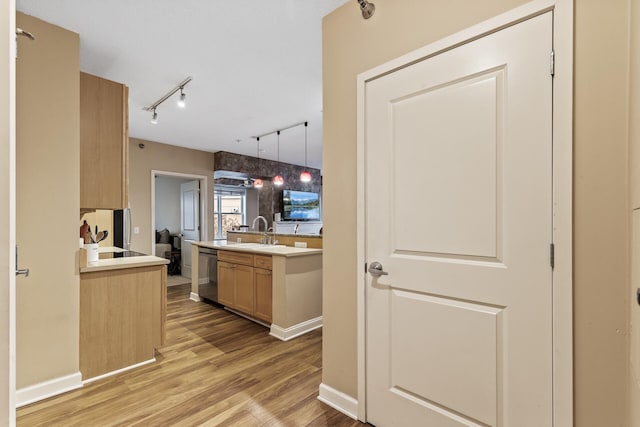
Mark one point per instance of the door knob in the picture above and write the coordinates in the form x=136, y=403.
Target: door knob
x=376, y=269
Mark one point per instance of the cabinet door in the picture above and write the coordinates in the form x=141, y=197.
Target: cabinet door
x=226, y=283
x=104, y=143
x=244, y=289
x=262, y=292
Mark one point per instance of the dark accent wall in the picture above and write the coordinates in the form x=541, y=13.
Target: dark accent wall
x=270, y=196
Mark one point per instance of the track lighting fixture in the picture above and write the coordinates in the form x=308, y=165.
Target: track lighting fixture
x=305, y=176
x=257, y=183
x=278, y=180
x=368, y=9
x=181, y=101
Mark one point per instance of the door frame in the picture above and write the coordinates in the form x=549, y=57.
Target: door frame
x=562, y=275
x=203, y=202
x=8, y=217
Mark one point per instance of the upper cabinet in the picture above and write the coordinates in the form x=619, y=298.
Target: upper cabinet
x=104, y=143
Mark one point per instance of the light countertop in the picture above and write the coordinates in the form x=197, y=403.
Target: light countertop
x=259, y=233
x=119, y=263
x=257, y=248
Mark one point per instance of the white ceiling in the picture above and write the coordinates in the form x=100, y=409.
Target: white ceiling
x=256, y=67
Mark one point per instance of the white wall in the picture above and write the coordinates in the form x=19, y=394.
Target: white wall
x=168, y=202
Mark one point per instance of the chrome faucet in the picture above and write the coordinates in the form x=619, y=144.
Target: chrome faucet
x=266, y=226
x=271, y=238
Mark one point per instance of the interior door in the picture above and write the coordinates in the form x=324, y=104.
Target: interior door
x=190, y=221
x=458, y=174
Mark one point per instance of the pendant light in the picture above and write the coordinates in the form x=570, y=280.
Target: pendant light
x=257, y=183
x=305, y=176
x=278, y=180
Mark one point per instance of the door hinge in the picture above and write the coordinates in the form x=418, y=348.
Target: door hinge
x=552, y=255
x=552, y=63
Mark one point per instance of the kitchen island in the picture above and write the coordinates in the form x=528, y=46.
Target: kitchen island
x=122, y=311
x=275, y=285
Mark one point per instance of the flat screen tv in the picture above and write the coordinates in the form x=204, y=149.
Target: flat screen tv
x=300, y=205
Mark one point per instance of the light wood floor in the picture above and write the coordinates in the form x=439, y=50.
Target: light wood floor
x=216, y=369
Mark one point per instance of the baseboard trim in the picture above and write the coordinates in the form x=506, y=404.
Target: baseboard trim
x=195, y=297
x=46, y=389
x=203, y=281
x=338, y=401
x=109, y=374
x=286, y=334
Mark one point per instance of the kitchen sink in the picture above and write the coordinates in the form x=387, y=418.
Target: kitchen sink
x=254, y=245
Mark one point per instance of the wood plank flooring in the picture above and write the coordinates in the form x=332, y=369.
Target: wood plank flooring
x=217, y=369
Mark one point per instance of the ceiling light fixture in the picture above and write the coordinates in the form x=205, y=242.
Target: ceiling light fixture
x=368, y=9
x=257, y=183
x=278, y=180
x=305, y=176
x=181, y=101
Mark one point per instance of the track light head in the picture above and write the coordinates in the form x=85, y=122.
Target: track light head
x=181, y=101
x=154, y=117
x=368, y=9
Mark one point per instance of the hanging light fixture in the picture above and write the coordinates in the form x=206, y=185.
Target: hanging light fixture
x=154, y=117
x=257, y=183
x=305, y=176
x=278, y=180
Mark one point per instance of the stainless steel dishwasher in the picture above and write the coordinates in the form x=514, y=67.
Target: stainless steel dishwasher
x=209, y=289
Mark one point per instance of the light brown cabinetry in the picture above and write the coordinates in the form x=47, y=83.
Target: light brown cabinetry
x=262, y=288
x=104, y=143
x=226, y=283
x=122, y=318
x=243, y=287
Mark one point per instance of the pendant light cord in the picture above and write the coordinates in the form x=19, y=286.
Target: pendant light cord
x=305, y=144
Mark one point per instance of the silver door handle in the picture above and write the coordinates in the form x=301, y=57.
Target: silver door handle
x=376, y=269
x=19, y=271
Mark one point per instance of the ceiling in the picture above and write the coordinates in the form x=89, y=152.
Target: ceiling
x=256, y=67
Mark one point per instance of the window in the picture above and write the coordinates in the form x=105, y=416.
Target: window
x=228, y=209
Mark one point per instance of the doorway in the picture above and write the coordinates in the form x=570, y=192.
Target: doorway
x=167, y=213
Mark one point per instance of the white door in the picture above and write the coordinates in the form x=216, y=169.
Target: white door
x=190, y=221
x=458, y=206
x=7, y=216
